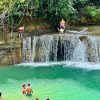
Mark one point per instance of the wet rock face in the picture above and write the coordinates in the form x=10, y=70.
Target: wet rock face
x=62, y=52
x=93, y=49
x=47, y=48
x=61, y=47
x=56, y=47
x=2, y=52
x=82, y=38
x=10, y=56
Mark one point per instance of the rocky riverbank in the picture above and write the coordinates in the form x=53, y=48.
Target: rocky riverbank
x=11, y=49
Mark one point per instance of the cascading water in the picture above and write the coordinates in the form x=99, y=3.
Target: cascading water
x=93, y=49
x=80, y=53
x=61, y=47
x=27, y=55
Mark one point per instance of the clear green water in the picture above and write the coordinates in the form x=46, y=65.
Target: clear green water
x=55, y=82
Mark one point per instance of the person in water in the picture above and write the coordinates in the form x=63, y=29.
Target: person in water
x=24, y=89
x=29, y=91
x=0, y=95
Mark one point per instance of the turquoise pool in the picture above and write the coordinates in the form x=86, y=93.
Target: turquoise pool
x=58, y=82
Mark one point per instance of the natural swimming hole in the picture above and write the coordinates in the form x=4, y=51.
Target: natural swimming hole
x=56, y=82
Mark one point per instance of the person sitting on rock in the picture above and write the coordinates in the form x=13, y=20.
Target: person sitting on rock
x=61, y=28
x=62, y=24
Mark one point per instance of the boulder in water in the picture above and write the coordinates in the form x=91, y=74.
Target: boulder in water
x=83, y=38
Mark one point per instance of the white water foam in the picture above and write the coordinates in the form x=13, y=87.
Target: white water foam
x=82, y=65
x=66, y=47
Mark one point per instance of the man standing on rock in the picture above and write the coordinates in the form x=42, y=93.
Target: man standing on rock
x=21, y=31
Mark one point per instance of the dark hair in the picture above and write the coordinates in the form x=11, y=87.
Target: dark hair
x=36, y=99
x=0, y=94
x=47, y=99
x=23, y=85
x=28, y=84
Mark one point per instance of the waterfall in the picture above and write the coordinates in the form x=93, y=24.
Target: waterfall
x=27, y=49
x=35, y=39
x=61, y=47
x=80, y=53
x=45, y=48
x=69, y=44
x=93, y=49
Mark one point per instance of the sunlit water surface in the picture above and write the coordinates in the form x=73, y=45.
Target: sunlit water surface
x=58, y=82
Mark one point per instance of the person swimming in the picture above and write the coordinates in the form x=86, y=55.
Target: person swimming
x=0, y=94
x=1, y=98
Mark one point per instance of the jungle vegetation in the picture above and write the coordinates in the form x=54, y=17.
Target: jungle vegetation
x=13, y=12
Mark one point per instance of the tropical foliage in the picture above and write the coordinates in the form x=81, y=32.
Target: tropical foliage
x=73, y=11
